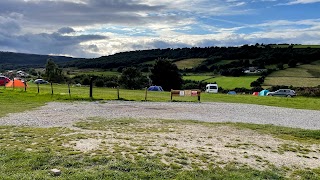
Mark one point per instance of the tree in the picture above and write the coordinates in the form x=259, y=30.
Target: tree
x=132, y=78
x=53, y=72
x=166, y=74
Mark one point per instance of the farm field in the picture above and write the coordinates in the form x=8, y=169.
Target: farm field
x=226, y=82
x=97, y=72
x=189, y=63
x=301, y=76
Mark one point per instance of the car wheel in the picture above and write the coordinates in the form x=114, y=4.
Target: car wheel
x=289, y=96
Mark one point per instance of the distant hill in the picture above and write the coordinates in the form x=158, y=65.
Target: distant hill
x=11, y=60
x=247, y=55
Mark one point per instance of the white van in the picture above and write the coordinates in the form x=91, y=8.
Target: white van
x=212, y=88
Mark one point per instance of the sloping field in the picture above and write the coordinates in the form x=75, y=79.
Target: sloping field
x=189, y=63
x=301, y=76
x=226, y=82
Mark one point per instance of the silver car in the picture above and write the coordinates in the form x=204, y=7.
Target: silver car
x=283, y=93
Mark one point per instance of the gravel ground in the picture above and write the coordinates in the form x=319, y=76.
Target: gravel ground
x=56, y=114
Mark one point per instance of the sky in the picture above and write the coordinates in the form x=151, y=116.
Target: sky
x=94, y=28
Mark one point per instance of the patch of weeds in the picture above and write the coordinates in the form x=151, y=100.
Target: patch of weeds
x=293, y=148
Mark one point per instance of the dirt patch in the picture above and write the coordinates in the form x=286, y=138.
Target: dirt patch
x=190, y=145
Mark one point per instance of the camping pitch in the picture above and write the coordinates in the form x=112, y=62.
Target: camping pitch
x=16, y=83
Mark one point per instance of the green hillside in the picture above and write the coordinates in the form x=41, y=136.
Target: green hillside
x=189, y=63
x=225, y=82
x=307, y=75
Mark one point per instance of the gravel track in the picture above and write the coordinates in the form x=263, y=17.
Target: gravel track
x=56, y=114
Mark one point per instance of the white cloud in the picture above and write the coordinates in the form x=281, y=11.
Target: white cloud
x=293, y=2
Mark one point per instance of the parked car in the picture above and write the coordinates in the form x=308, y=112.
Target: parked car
x=283, y=93
x=4, y=80
x=40, y=81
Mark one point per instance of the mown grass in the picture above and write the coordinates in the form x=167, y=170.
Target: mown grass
x=17, y=100
x=296, y=134
x=225, y=82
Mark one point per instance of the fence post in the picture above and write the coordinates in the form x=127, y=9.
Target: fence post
x=51, y=89
x=38, y=88
x=25, y=86
x=118, y=92
x=91, y=84
x=145, y=97
x=69, y=90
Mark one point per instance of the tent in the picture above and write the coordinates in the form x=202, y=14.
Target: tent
x=255, y=93
x=232, y=93
x=155, y=88
x=263, y=92
x=16, y=83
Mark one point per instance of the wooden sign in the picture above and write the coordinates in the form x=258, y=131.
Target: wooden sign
x=182, y=93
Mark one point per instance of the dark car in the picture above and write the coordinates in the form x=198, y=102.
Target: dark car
x=40, y=81
x=283, y=93
x=4, y=80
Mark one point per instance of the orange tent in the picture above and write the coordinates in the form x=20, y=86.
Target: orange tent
x=16, y=84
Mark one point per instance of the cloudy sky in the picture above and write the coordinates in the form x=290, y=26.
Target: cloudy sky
x=94, y=28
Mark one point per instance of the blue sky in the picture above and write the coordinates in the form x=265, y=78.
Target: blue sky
x=93, y=28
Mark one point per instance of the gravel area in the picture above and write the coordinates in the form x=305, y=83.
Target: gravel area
x=56, y=114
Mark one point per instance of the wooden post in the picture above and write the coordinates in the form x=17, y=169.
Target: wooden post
x=91, y=84
x=51, y=89
x=171, y=94
x=118, y=92
x=145, y=97
x=38, y=88
x=199, y=93
x=25, y=86
x=69, y=90
x=13, y=84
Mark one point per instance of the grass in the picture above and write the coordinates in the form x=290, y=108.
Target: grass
x=97, y=72
x=225, y=82
x=127, y=153
x=295, y=134
x=189, y=63
x=302, y=76
x=17, y=100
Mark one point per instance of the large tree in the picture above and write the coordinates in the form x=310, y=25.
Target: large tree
x=132, y=78
x=53, y=72
x=166, y=74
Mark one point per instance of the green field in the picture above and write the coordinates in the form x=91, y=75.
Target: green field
x=226, y=82
x=296, y=46
x=189, y=63
x=302, y=76
x=96, y=72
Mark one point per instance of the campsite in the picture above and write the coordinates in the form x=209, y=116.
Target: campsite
x=156, y=121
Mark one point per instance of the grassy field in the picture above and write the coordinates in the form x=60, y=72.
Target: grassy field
x=17, y=100
x=97, y=72
x=226, y=82
x=189, y=63
x=302, y=76
x=296, y=46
